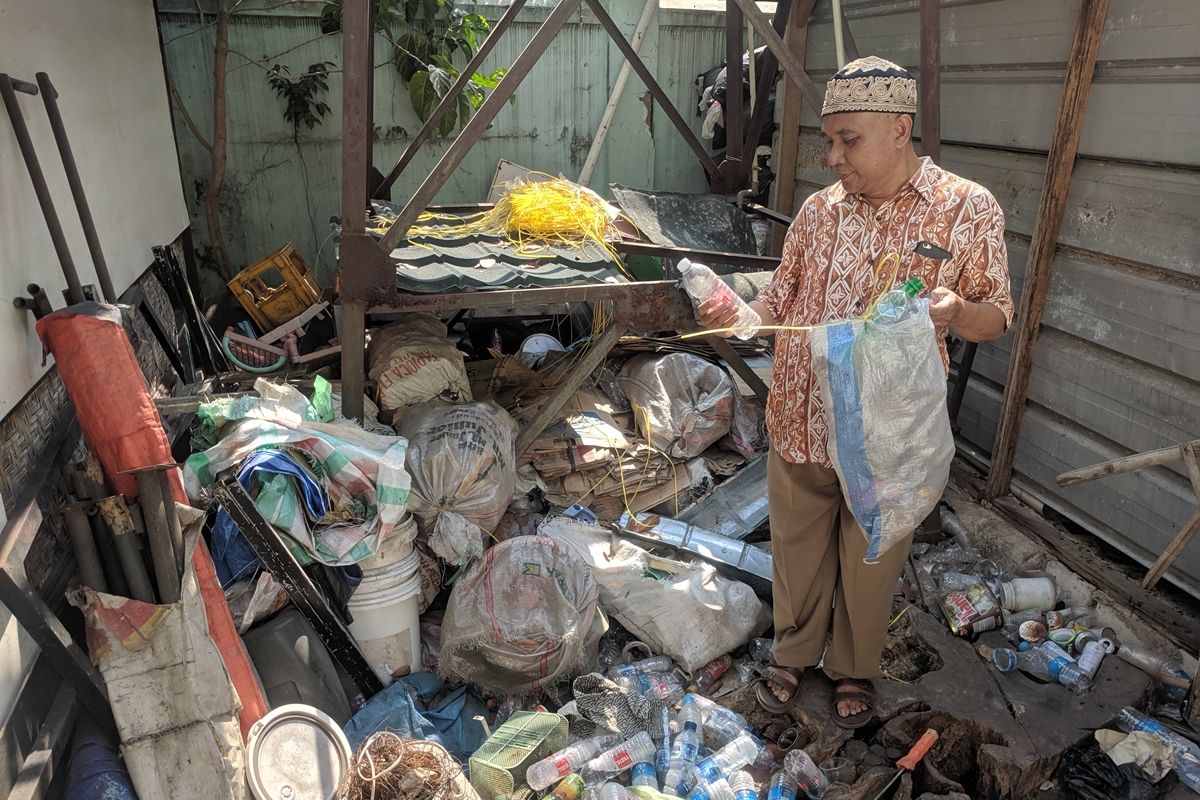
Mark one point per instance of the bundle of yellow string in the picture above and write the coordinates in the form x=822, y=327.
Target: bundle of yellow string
x=533, y=216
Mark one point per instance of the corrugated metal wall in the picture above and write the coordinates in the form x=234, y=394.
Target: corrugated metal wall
x=1118, y=360
x=273, y=195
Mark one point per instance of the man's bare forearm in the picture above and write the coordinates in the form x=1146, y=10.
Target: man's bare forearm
x=764, y=313
x=979, y=322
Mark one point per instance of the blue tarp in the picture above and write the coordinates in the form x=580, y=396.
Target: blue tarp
x=410, y=707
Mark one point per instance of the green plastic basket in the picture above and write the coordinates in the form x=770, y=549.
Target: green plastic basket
x=498, y=766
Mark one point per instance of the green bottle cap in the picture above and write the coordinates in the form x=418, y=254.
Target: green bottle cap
x=913, y=287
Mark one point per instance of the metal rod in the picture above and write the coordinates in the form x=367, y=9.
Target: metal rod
x=172, y=515
x=50, y=98
x=474, y=129
x=793, y=69
x=74, y=287
x=109, y=558
x=120, y=524
x=762, y=90
x=839, y=40
x=614, y=100
x=681, y=125
x=86, y=555
x=159, y=536
x=450, y=100
x=356, y=119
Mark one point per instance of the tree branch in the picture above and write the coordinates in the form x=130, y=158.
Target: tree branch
x=183, y=112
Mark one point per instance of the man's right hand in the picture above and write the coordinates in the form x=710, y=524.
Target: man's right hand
x=715, y=315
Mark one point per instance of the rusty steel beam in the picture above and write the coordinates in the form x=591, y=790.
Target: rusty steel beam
x=792, y=68
x=448, y=102
x=660, y=96
x=931, y=79
x=766, y=79
x=710, y=256
x=735, y=150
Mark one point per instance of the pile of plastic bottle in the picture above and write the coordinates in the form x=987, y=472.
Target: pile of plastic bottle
x=704, y=752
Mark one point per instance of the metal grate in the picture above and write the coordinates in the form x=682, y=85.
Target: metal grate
x=498, y=767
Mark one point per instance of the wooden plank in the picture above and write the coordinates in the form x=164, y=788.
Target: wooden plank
x=1117, y=466
x=931, y=79
x=1081, y=556
x=725, y=350
x=787, y=149
x=549, y=413
x=1060, y=165
x=44, y=761
x=1177, y=546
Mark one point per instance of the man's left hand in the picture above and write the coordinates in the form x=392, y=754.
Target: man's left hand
x=945, y=307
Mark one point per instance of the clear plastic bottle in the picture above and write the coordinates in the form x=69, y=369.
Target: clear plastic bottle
x=571, y=788
x=644, y=774
x=643, y=667
x=741, y=751
x=744, y=786
x=1043, y=663
x=711, y=672
x=662, y=761
x=808, y=776
x=716, y=790
x=954, y=581
x=702, y=285
x=658, y=685
x=636, y=749
x=565, y=761
x=687, y=742
x=721, y=725
x=897, y=304
x=783, y=787
x=612, y=791
x=762, y=650
x=1187, y=754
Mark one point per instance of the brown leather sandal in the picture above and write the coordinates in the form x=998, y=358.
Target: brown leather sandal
x=787, y=677
x=850, y=690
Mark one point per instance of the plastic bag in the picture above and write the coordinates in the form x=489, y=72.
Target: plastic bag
x=681, y=403
x=1090, y=774
x=463, y=471
x=748, y=428
x=689, y=612
x=522, y=617
x=884, y=391
x=412, y=361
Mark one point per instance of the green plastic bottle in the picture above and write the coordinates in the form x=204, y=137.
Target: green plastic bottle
x=897, y=304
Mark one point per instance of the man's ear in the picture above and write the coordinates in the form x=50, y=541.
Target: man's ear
x=902, y=128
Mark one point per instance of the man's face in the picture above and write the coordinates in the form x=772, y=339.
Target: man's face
x=865, y=148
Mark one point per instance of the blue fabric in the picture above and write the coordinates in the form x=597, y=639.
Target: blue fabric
x=848, y=430
x=96, y=770
x=235, y=559
x=449, y=721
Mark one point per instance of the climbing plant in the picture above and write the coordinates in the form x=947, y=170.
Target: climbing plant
x=300, y=95
x=426, y=36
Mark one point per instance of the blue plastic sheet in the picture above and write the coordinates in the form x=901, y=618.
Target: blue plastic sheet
x=410, y=707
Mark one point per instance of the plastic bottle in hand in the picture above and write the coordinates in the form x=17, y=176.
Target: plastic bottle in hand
x=808, y=776
x=620, y=758
x=644, y=774
x=566, y=761
x=1042, y=663
x=897, y=304
x=571, y=788
x=703, y=285
x=686, y=746
x=741, y=751
x=657, y=685
x=783, y=787
x=716, y=790
x=643, y=667
x=1187, y=754
x=744, y=786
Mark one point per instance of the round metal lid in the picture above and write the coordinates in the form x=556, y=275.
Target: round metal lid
x=296, y=752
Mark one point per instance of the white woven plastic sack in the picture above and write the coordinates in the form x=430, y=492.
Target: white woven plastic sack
x=463, y=471
x=412, y=361
x=681, y=403
x=693, y=615
x=884, y=392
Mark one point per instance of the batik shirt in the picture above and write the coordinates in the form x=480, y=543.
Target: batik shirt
x=828, y=272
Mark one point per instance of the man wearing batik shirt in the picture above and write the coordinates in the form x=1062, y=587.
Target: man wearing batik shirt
x=838, y=256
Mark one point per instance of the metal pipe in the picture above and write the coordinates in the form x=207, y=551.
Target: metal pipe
x=839, y=37
x=25, y=143
x=172, y=514
x=120, y=523
x=109, y=558
x=639, y=34
x=159, y=536
x=50, y=98
x=37, y=301
x=706, y=544
x=86, y=555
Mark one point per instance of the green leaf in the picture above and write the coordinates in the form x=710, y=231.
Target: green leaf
x=419, y=93
x=440, y=80
x=487, y=81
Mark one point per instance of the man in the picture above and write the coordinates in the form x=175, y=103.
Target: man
x=885, y=202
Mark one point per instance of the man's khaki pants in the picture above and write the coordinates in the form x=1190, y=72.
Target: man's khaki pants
x=817, y=553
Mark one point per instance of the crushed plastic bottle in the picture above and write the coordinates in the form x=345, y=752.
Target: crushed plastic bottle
x=741, y=751
x=644, y=774
x=715, y=790
x=762, y=650
x=703, y=285
x=612, y=791
x=783, y=787
x=686, y=746
x=636, y=749
x=711, y=672
x=721, y=725
x=744, y=786
x=1040, y=662
x=558, y=765
x=808, y=776
x=898, y=304
x=662, y=761
x=658, y=685
x=643, y=667
x=1187, y=754
x=571, y=788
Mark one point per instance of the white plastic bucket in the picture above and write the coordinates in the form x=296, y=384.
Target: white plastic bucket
x=387, y=623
